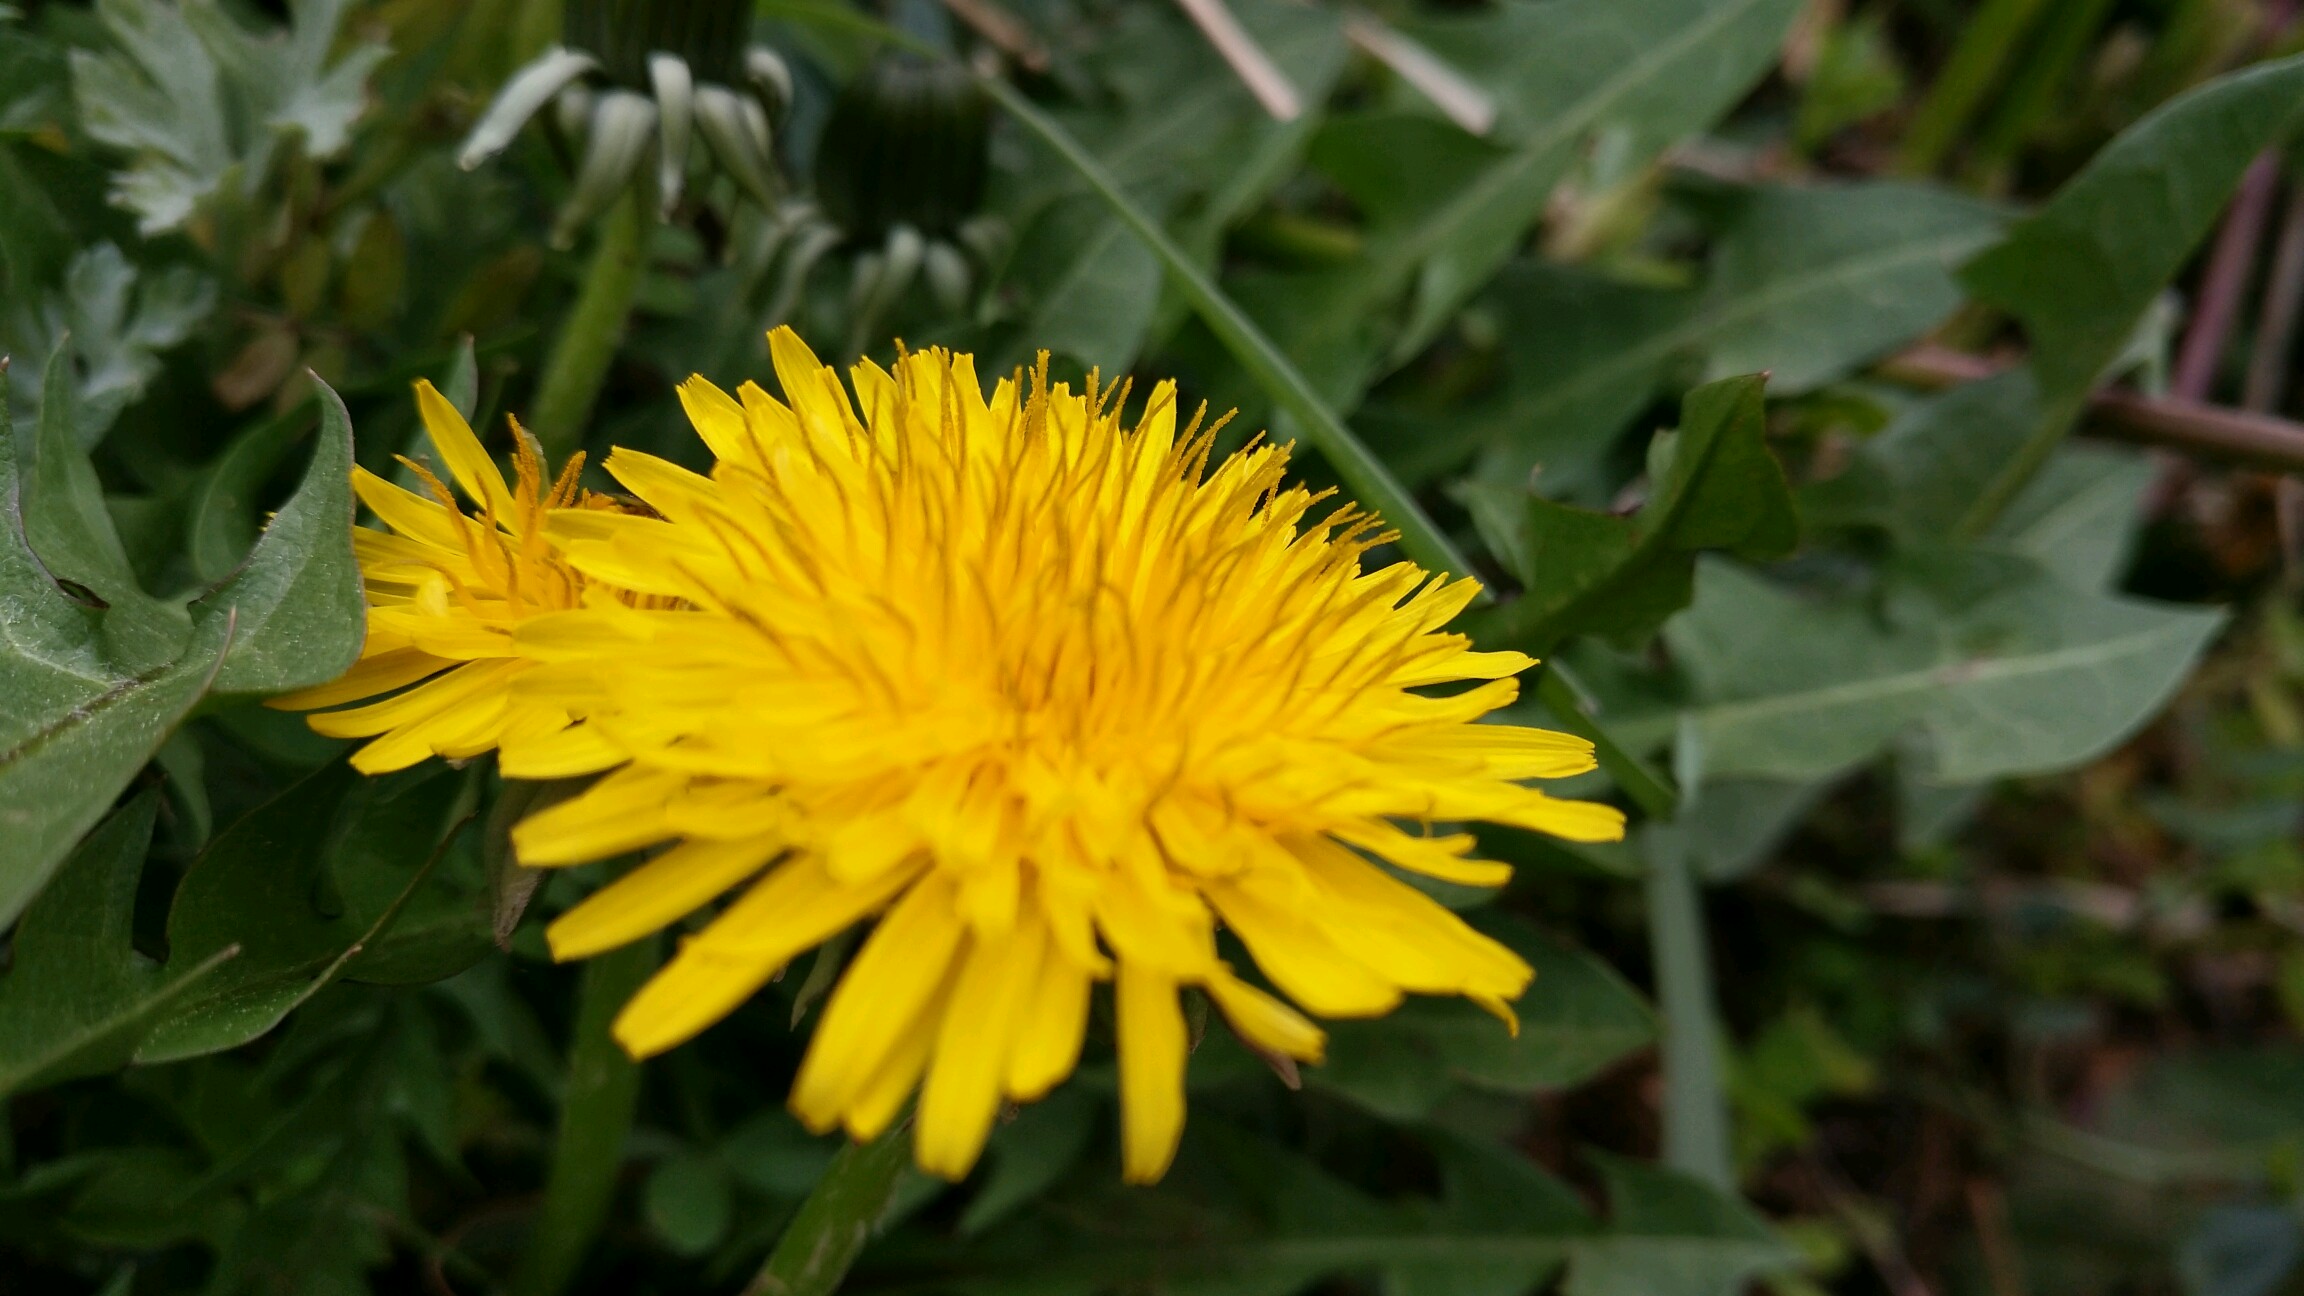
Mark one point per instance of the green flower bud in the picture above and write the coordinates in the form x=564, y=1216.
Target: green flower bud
x=642, y=75
x=906, y=145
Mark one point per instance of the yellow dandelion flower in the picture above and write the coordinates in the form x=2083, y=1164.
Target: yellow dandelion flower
x=1049, y=696
x=445, y=590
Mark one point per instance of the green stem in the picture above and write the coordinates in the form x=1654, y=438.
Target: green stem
x=578, y=364
x=1986, y=43
x=1370, y=482
x=833, y=1225
x=2057, y=416
x=1645, y=786
x=1695, y=1098
x=595, y=1116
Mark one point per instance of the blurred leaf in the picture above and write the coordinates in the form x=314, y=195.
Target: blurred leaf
x=687, y=1203
x=1734, y=824
x=2000, y=667
x=70, y=529
x=297, y=599
x=1923, y=472
x=1577, y=1018
x=1583, y=354
x=1191, y=146
x=201, y=103
x=1714, y=484
x=1670, y=1235
x=78, y=996
x=96, y=673
x=1925, y=469
x=1856, y=75
x=1793, y=1063
x=2078, y=519
x=1808, y=282
x=2211, y=1099
x=222, y=521
x=118, y=319
x=1445, y=210
x=1093, y=286
x=1500, y=1227
x=1029, y=1154
x=773, y=1154
x=1626, y=80
x=306, y=886
x=2082, y=271
x=2240, y=1251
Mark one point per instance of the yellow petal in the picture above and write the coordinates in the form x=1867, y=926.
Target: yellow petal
x=973, y=1046
x=718, y=419
x=406, y=512
x=621, y=812
x=1152, y=1056
x=378, y=673
x=811, y=387
x=654, y=895
x=451, y=689
x=1263, y=1020
x=901, y=966
x=1049, y=1034
x=1302, y=960
x=467, y=462
x=794, y=907
x=564, y=753
x=1436, y=857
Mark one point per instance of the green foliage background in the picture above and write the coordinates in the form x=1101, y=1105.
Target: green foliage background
x=1957, y=949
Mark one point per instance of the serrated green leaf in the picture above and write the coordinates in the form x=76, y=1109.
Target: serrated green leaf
x=1997, y=666
x=118, y=320
x=92, y=690
x=1577, y=1018
x=2082, y=271
x=78, y=996
x=202, y=104
x=1715, y=485
x=306, y=887
x=221, y=521
x=67, y=524
x=297, y=600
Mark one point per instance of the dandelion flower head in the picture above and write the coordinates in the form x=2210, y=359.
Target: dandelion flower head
x=1051, y=697
x=445, y=588
x=1044, y=694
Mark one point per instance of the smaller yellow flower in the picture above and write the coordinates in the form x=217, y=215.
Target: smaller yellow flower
x=445, y=590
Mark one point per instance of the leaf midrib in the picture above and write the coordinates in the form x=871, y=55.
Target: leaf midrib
x=1950, y=675
x=1405, y=255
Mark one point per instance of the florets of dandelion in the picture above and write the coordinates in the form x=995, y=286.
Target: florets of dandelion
x=1049, y=696
x=445, y=588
